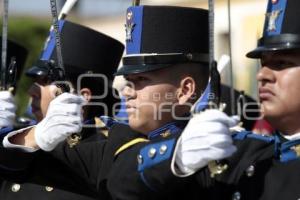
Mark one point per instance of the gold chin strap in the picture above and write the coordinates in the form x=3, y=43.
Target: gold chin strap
x=129, y=144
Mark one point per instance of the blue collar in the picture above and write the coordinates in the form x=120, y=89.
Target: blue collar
x=284, y=150
x=288, y=150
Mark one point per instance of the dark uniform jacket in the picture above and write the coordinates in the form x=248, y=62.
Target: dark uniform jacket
x=129, y=166
x=22, y=175
x=112, y=164
x=264, y=168
x=105, y=166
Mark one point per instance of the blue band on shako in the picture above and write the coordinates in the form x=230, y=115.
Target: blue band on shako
x=50, y=44
x=134, y=25
x=274, y=17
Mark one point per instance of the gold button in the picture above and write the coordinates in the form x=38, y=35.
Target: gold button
x=49, y=189
x=15, y=187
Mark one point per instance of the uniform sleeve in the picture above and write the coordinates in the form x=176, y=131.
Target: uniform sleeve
x=143, y=172
x=93, y=161
x=7, y=144
x=84, y=159
x=61, y=168
x=246, y=168
x=72, y=169
x=13, y=159
x=43, y=169
x=87, y=164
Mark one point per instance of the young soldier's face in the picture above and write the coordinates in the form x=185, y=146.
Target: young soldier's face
x=149, y=99
x=279, y=89
x=42, y=94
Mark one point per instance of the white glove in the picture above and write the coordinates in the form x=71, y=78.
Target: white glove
x=7, y=109
x=64, y=117
x=206, y=138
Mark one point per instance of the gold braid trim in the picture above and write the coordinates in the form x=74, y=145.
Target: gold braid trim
x=129, y=144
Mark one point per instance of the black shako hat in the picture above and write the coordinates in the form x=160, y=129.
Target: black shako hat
x=17, y=53
x=83, y=50
x=161, y=36
x=281, y=30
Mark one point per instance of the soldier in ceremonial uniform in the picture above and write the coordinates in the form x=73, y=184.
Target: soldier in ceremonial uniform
x=263, y=167
x=167, y=71
x=85, y=52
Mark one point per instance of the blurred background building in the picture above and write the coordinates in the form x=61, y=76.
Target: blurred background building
x=108, y=16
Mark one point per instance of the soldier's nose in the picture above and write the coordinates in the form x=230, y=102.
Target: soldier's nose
x=128, y=92
x=265, y=74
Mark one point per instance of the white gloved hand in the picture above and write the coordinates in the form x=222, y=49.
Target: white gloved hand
x=64, y=117
x=206, y=138
x=7, y=109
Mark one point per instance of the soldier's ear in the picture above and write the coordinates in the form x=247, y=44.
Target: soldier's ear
x=86, y=93
x=186, y=90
